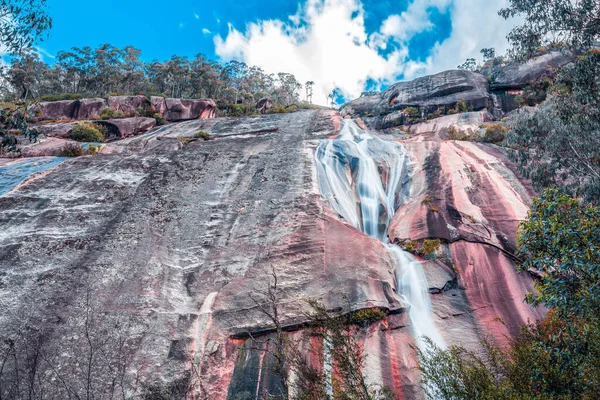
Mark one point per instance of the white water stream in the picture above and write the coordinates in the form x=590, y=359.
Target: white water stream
x=364, y=178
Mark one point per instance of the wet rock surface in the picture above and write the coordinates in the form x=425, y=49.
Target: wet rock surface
x=170, y=234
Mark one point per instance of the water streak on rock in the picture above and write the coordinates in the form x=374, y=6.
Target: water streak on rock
x=365, y=178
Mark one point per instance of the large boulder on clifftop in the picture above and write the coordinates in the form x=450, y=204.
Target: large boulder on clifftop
x=517, y=75
x=129, y=104
x=182, y=109
x=69, y=109
x=428, y=93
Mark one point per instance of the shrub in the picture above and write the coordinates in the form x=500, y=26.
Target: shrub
x=160, y=120
x=424, y=248
x=92, y=150
x=412, y=112
x=88, y=132
x=366, y=316
x=111, y=113
x=494, y=133
x=428, y=201
x=430, y=246
x=62, y=96
x=203, y=135
x=461, y=106
x=71, y=150
x=455, y=134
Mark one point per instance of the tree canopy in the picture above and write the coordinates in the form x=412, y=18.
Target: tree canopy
x=22, y=22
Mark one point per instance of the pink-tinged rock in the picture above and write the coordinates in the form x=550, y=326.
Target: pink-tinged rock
x=159, y=104
x=56, y=129
x=495, y=290
x=44, y=147
x=467, y=123
x=126, y=127
x=90, y=108
x=69, y=109
x=128, y=104
x=461, y=190
x=183, y=109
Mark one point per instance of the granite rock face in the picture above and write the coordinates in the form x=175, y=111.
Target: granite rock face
x=158, y=246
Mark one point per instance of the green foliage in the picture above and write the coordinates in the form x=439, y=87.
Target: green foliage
x=551, y=23
x=61, y=96
x=366, y=316
x=559, y=144
x=87, y=132
x=160, y=120
x=469, y=65
x=494, y=133
x=13, y=121
x=545, y=361
x=426, y=247
x=561, y=238
x=430, y=246
x=412, y=112
x=22, y=23
x=461, y=106
x=71, y=150
x=111, y=113
x=203, y=135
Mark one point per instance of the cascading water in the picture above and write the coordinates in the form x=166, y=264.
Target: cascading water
x=361, y=176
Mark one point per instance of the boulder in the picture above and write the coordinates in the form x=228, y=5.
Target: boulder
x=128, y=104
x=56, y=129
x=158, y=104
x=445, y=89
x=264, y=104
x=126, y=127
x=183, y=109
x=517, y=75
x=69, y=109
x=90, y=108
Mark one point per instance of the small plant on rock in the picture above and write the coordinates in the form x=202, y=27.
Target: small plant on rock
x=88, y=132
x=71, y=150
x=203, y=135
x=494, y=133
x=111, y=113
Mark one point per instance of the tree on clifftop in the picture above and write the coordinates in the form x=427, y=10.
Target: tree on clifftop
x=22, y=22
x=575, y=23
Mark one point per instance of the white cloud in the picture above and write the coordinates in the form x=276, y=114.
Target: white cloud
x=326, y=42
x=475, y=25
x=196, y=16
x=206, y=31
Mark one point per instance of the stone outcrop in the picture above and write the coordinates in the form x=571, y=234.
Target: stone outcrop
x=517, y=75
x=443, y=90
x=69, y=109
x=170, y=109
x=126, y=127
x=264, y=104
x=129, y=104
x=184, y=109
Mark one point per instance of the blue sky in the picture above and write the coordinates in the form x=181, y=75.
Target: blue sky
x=350, y=44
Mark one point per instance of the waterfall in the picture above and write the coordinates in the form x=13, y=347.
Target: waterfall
x=364, y=179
